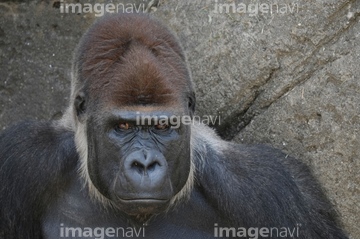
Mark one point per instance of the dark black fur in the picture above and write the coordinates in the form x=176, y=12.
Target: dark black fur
x=253, y=186
x=35, y=160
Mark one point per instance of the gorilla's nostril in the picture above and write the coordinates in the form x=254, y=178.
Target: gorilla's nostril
x=153, y=166
x=138, y=166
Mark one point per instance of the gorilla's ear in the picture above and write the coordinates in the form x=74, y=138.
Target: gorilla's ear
x=80, y=106
x=191, y=103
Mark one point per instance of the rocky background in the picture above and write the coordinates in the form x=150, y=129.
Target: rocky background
x=286, y=74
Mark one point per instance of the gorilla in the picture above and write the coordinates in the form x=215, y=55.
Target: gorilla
x=99, y=172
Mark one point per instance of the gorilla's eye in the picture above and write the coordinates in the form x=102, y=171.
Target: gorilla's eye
x=162, y=126
x=124, y=126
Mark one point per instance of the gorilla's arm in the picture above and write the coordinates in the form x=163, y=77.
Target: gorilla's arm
x=34, y=157
x=258, y=186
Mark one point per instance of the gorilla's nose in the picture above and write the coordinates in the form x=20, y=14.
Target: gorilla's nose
x=145, y=169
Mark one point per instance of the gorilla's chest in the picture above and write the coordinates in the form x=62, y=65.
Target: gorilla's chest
x=75, y=215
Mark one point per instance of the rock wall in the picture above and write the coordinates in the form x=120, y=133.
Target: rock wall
x=283, y=73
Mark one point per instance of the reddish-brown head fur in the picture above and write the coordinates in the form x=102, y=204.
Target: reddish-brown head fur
x=131, y=59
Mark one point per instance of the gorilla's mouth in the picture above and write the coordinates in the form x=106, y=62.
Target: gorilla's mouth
x=143, y=199
x=143, y=206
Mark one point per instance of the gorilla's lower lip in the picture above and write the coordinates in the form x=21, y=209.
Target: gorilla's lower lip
x=144, y=200
x=143, y=206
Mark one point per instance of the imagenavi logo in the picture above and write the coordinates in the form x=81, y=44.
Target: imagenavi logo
x=255, y=232
x=256, y=8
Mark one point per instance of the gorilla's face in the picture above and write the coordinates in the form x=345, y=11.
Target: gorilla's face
x=136, y=158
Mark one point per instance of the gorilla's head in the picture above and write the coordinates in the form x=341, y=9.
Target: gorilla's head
x=130, y=84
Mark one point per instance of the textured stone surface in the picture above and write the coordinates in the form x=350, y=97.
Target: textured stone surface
x=288, y=79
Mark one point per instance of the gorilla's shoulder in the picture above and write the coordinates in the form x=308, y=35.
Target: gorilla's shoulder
x=33, y=147
x=209, y=143
x=265, y=156
x=36, y=131
x=35, y=160
x=260, y=159
x=241, y=160
x=255, y=150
